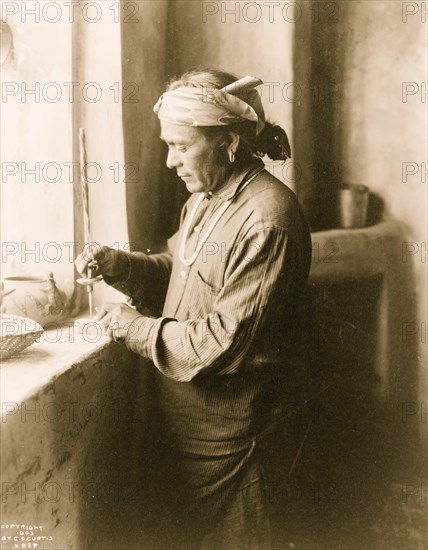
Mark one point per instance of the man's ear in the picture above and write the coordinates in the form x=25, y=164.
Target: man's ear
x=233, y=141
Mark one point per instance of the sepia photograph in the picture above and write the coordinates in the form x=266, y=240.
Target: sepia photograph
x=213, y=270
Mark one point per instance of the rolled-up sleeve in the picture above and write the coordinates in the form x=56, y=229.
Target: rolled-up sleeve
x=255, y=277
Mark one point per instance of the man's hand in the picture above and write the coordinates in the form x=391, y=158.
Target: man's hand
x=116, y=320
x=107, y=261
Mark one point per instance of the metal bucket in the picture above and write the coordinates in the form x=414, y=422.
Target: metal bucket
x=352, y=205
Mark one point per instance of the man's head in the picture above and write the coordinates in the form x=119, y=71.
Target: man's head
x=211, y=132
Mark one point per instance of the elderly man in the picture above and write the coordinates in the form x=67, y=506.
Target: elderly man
x=229, y=288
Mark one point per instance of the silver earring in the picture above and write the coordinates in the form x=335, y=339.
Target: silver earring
x=231, y=156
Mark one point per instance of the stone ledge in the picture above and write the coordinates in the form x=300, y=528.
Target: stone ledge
x=346, y=254
x=57, y=350
x=72, y=430
x=368, y=261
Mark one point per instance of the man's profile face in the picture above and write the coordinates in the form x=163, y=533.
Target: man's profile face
x=191, y=155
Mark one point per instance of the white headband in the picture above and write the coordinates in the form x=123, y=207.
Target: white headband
x=203, y=107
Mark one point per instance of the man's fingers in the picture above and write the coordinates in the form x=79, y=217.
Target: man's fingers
x=81, y=264
x=115, y=331
x=91, y=250
x=105, y=309
x=93, y=265
x=105, y=322
x=101, y=313
x=116, y=319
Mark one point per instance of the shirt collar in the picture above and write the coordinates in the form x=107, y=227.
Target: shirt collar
x=233, y=183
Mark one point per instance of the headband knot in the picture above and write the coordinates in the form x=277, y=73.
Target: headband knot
x=203, y=107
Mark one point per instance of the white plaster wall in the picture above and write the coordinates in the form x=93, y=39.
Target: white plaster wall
x=385, y=47
x=97, y=59
x=40, y=132
x=36, y=134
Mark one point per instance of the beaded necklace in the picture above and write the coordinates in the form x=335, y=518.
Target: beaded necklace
x=203, y=240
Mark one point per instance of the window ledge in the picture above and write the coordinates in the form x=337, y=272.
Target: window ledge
x=56, y=351
x=73, y=418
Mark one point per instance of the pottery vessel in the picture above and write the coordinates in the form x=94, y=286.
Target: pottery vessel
x=37, y=298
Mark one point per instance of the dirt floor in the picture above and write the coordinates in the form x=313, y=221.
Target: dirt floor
x=358, y=485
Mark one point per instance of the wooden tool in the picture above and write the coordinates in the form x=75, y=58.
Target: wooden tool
x=88, y=281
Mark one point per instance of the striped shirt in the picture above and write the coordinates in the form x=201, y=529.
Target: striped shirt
x=229, y=319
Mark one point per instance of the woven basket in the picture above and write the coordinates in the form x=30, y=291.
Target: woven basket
x=16, y=334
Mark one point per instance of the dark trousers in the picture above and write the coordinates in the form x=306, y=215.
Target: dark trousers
x=211, y=503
